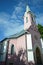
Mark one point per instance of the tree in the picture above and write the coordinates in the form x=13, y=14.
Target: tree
x=40, y=28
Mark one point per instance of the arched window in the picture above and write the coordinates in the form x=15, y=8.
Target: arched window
x=12, y=49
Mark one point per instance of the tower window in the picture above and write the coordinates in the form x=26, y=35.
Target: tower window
x=26, y=19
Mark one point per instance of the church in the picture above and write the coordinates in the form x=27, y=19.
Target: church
x=27, y=41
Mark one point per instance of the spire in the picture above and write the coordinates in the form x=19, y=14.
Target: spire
x=27, y=9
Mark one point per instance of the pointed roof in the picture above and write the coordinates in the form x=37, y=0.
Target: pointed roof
x=27, y=9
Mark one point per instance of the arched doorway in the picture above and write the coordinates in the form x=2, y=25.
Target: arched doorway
x=38, y=56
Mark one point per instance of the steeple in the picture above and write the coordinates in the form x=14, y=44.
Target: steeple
x=27, y=18
x=27, y=9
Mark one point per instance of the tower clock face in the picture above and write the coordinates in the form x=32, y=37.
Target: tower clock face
x=26, y=19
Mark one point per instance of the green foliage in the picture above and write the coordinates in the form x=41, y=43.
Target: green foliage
x=40, y=28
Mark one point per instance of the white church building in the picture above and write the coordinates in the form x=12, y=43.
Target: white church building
x=27, y=40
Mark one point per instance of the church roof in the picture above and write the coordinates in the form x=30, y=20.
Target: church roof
x=18, y=34
x=15, y=35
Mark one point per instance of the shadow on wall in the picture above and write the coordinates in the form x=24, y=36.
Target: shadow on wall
x=21, y=59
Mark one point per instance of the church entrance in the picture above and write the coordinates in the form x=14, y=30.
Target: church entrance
x=38, y=56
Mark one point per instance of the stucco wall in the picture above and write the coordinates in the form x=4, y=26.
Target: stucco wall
x=18, y=43
x=12, y=41
x=21, y=43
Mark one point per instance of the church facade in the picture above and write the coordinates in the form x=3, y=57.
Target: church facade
x=27, y=41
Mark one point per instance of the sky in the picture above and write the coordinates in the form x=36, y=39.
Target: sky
x=12, y=12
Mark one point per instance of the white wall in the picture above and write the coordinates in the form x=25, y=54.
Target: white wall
x=42, y=42
x=29, y=49
x=42, y=45
x=29, y=41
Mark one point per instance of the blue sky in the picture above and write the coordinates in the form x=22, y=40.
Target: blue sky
x=11, y=15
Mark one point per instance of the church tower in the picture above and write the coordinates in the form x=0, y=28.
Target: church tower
x=28, y=18
x=33, y=37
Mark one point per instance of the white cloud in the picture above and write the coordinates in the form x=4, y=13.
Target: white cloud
x=9, y=26
x=11, y=31
x=18, y=11
x=39, y=19
x=11, y=23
